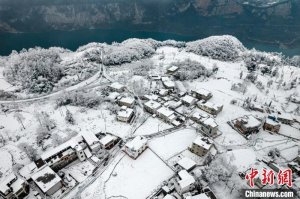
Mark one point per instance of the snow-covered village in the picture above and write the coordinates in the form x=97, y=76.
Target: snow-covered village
x=148, y=119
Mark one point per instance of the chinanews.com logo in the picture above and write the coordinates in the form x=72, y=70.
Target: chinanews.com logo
x=267, y=179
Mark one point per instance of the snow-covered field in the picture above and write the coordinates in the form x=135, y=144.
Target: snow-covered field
x=170, y=145
x=137, y=178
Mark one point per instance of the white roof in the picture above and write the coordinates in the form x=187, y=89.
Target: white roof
x=113, y=95
x=95, y=159
x=117, y=85
x=285, y=116
x=169, y=84
x=107, y=139
x=173, y=68
x=189, y=99
x=27, y=170
x=90, y=138
x=185, y=179
x=210, y=122
x=128, y=100
x=151, y=97
x=153, y=104
x=163, y=91
x=168, y=196
x=212, y=105
x=202, y=91
x=125, y=113
x=17, y=185
x=165, y=79
x=175, y=122
x=137, y=143
x=186, y=163
x=7, y=180
x=46, y=178
x=200, y=196
x=70, y=143
x=199, y=115
x=165, y=111
x=251, y=121
x=272, y=122
x=203, y=142
x=87, y=152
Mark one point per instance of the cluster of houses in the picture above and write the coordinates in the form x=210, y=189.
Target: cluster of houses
x=164, y=104
x=127, y=112
x=43, y=172
x=249, y=124
x=183, y=184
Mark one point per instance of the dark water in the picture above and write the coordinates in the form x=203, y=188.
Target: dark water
x=73, y=39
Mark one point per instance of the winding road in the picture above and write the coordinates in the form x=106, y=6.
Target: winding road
x=82, y=85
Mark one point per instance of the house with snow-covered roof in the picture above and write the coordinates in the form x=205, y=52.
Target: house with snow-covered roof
x=126, y=101
x=172, y=69
x=188, y=100
x=62, y=155
x=125, y=114
x=271, y=125
x=168, y=83
x=47, y=181
x=186, y=163
x=185, y=182
x=201, y=146
x=166, y=114
x=152, y=106
x=285, y=118
x=247, y=124
x=116, y=86
x=92, y=141
x=210, y=107
x=13, y=187
x=108, y=141
x=201, y=94
x=136, y=146
x=209, y=126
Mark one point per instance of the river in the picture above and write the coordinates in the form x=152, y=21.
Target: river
x=73, y=39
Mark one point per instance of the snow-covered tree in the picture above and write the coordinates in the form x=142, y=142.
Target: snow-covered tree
x=69, y=117
x=29, y=150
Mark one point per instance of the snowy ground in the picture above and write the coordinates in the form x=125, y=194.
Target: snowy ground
x=137, y=179
x=152, y=125
x=170, y=145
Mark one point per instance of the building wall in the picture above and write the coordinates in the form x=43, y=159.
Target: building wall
x=209, y=130
x=125, y=119
x=63, y=161
x=126, y=104
x=200, y=97
x=54, y=189
x=135, y=154
x=271, y=128
x=81, y=155
x=198, y=150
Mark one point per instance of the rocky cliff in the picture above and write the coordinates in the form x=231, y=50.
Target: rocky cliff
x=250, y=19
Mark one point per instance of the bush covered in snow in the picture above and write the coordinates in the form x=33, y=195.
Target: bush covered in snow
x=36, y=70
x=189, y=69
x=142, y=68
x=225, y=48
x=255, y=59
x=173, y=43
x=127, y=51
x=295, y=61
x=79, y=98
